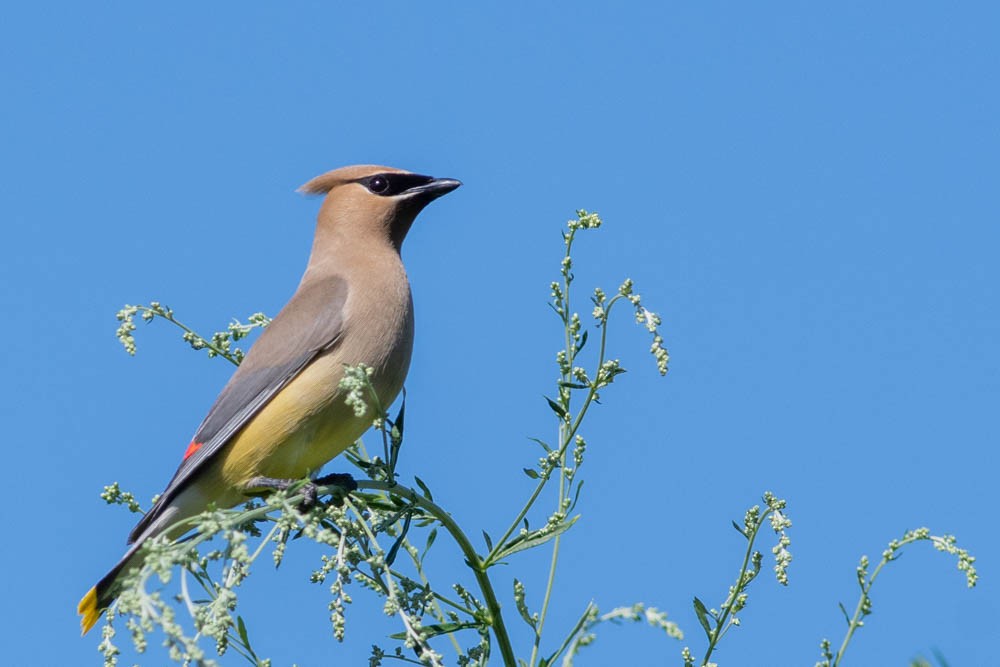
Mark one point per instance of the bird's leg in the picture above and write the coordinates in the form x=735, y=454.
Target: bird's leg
x=309, y=489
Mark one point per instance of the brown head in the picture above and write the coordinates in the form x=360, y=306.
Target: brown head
x=366, y=200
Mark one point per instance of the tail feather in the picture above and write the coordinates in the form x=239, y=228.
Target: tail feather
x=88, y=611
x=187, y=503
x=105, y=591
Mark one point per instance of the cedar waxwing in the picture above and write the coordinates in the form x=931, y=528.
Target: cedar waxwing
x=281, y=416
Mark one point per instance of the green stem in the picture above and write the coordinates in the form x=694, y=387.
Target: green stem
x=545, y=601
x=438, y=599
x=859, y=613
x=565, y=438
x=564, y=441
x=477, y=564
x=208, y=344
x=737, y=589
x=592, y=392
x=389, y=585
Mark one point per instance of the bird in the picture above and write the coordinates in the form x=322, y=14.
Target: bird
x=282, y=415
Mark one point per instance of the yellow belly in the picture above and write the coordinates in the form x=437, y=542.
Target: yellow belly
x=305, y=425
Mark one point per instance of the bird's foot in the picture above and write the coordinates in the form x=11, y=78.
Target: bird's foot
x=343, y=485
x=310, y=490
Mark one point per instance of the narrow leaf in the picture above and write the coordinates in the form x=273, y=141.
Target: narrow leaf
x=738, y=529
x=544, y=446
x=423, y=487
x=580, y=626
x=576, y=496
x=530, y=472
x=702, y=613
x=573, y=385
x=431, y=536
x=489, y=540
x=534, y=539
x=436, y=629
x=583, y=341
x=390, y=557
x=844, y=612
x=241, y=628
x=556, y=408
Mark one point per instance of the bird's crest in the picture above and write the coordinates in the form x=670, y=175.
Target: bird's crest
x=323, y=183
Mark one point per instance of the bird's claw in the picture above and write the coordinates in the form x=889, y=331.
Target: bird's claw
x=310, y=490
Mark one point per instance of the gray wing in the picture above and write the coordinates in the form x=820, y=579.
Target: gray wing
x=309, y=324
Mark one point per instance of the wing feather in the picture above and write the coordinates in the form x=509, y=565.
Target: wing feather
x=311, y=323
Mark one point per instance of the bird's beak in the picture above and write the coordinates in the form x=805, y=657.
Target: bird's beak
x=430, y=191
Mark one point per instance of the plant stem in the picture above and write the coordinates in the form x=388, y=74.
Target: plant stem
x=567, y=432
x=727, y=607
x=536, y=646
x=859, y=612
x=391, y=592
x=170, y=318
x=477, y=564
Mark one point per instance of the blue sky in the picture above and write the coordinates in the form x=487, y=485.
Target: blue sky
x=808, y=195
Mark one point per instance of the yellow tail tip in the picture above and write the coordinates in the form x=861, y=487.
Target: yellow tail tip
x=88, y=611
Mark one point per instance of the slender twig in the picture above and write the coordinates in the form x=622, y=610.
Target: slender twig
x=738, y=587
x=475, y=562
x=412, y=632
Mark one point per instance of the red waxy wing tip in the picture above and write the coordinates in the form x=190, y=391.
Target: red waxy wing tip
x=192, y=448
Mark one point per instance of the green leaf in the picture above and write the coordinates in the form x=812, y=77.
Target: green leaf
x=241, y=628
x=738, y=529
x=423, y=487
x=556, y=408
x=489, y=540
x=583, y=341
x=576, y=496
x=436, y=629
x=544, y=446
x=573, y=385
x=702, y=613
x=534, y=539
x=431, y=536
x=843, y=610
x=390, y=557
x=530, y=472
x=580, y=626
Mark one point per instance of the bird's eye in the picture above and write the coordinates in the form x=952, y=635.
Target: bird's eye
x=378, y=184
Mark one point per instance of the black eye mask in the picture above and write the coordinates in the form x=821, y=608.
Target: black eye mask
x=389, y=185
